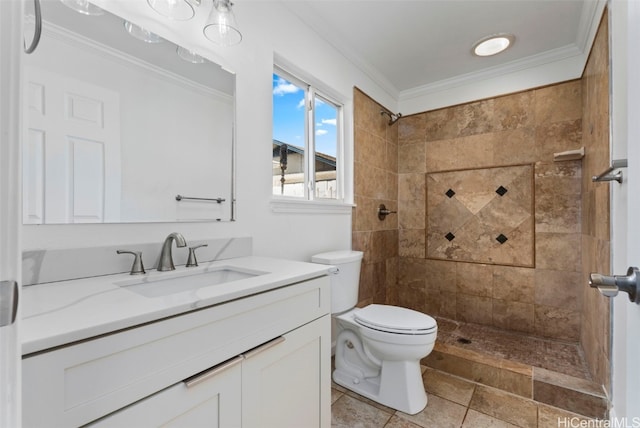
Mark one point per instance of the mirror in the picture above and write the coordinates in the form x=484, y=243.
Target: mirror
x=116, y=128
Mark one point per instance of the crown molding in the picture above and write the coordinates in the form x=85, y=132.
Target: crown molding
x=530, y=62
x=557, y=65
x=592, y=11
x=78, y=41
x=572, y=58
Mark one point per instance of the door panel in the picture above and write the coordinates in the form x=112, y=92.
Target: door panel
x=87, y=166
x=72, y=159
x=625, y=205
x=284, y=385
x=33, y=177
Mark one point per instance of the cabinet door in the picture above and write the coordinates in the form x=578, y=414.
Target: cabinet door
x=286, y=383
x=210, y=399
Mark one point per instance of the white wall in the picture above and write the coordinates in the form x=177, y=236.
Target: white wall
x=268, y=28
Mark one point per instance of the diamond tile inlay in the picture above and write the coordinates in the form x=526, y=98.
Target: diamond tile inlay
x=489, y=226
x=501, y=191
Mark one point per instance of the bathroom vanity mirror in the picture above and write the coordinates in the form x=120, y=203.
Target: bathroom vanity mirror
x=117, y=127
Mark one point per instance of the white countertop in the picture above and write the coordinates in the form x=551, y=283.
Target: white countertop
x=63, y=312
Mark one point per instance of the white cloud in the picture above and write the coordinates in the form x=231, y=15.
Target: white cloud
x=301, y=103
x=329, y=122
x=283, y=87
x=321, y=132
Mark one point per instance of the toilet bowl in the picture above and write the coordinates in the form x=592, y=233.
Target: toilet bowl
x=379, y=347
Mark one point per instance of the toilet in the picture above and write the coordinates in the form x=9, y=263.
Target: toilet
x=379, y=347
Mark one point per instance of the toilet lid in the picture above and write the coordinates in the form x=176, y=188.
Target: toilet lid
x=394, y=319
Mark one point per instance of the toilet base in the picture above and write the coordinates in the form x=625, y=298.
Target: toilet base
x=398, y=386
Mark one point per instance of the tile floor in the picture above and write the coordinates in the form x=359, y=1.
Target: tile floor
x=453, y=402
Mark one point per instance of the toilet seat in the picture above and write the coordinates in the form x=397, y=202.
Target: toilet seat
x=394, y=319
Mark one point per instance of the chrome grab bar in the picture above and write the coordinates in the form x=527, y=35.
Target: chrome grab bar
x=608, y=176
x=218, y=200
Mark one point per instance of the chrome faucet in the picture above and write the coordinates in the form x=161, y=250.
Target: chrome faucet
x=166, y=259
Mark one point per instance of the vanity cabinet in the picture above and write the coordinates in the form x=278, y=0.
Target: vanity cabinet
x=258, y=361
x=278, y=384
x=282, y=385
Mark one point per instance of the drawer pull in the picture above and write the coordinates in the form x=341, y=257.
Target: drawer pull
x=264, y=347
x=213, y=371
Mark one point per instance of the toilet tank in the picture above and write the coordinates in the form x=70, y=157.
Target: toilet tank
x=345, y=280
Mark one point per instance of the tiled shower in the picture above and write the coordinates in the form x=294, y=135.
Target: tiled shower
x=491, y=230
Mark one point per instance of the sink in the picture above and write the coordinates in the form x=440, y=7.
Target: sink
x=164, y=284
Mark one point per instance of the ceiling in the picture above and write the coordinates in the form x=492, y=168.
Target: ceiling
x=408, y=45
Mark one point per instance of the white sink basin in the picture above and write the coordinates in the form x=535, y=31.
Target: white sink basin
x=166, y=283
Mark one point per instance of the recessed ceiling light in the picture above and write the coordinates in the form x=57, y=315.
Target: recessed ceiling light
x=493, y=45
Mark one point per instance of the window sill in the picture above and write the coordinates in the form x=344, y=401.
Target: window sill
x=310, y=207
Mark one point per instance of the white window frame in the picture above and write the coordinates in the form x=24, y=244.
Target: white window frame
x=309, y=203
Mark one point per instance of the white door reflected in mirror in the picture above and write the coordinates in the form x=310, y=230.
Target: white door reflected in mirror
x=116, y=127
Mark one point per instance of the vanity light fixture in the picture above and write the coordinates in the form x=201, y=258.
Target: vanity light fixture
x=493, y=45
x=179, y=10
x=221, y=27
x=189, y=56
x=83, y=7
x=141, y=33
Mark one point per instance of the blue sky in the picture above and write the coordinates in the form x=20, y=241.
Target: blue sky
x=289, y=115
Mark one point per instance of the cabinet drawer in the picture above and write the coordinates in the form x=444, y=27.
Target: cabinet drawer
x=283, y=383
x=214, y=402
x=77, y=384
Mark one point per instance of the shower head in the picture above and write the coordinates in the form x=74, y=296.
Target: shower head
x=393, y=118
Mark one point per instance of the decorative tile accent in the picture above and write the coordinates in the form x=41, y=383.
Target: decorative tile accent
x=488, y=226
x=450, y=193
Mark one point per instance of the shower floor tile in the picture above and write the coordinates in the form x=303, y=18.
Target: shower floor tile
x=558, y=356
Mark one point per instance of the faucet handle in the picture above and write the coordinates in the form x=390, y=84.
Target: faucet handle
x=191, y=260
x=137, y=268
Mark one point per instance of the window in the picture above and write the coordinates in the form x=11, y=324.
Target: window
x=307, y=141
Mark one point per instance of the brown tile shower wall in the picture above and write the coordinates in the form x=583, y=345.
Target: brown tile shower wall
x=376, y=182
x=571, y=213
x=595, y=336
x=523, y=128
